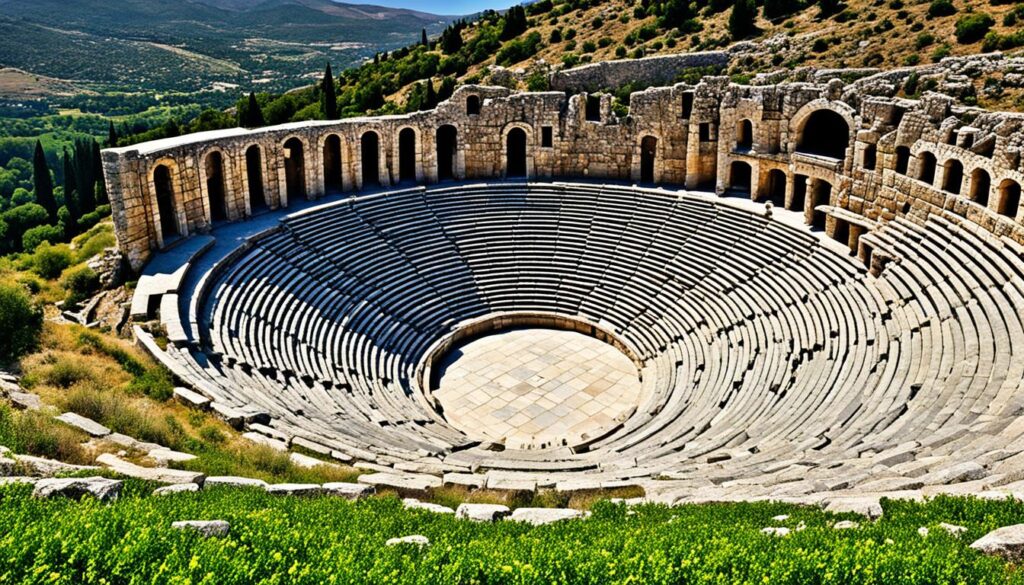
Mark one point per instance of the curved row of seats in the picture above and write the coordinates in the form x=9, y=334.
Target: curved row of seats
x=763, y=351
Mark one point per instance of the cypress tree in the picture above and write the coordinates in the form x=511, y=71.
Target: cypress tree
x=253, y=117
x=97, y=171
x=328, y=97
x=85, y=176
x=70, y=193
x=741, y=21
x=423, y=38
x=431, y=95
x=43, y=182
x=111, y=136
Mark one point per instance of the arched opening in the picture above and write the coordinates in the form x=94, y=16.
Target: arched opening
x=981, y=184
x=215, y=186
x=824, y=133
x=254, y=174
x=648, y=150
x=294, y=169
x=473, y=105
x=799, y=193
x=777, y=187
x=332, y=164
x=369, y=145
x=926, y=170
x=407, y=155
x=165, y=202
x=870, y=157
x=953, y=178
x=515, y=152
x=744, y=135
x=821, y=195
x=902, y=159
x=1009, y=198
x=447, y=146
x=739, y=177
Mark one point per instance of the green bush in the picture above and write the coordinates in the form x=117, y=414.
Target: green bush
x=20, y=320
x=49, y=261
x=80, y=283
x=941, y=8
x=519, y=49
x=31, y=239
x=973, y=27
x=37, y=433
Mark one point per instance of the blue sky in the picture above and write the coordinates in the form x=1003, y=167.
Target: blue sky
x=443, y=6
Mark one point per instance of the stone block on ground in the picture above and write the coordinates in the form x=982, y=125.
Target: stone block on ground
x=349, y=491
x=179, y=488
x=192, y=399
x=295, y=489
x=414, y=539
x=414, y=504
x=25, y=400
x=232, y=481
x=88, y=426
x=401, y=482
x=1006, y=542
x=205, y=528
x=75, y=488
x=482, y=512
x=157, y=474
x=539, y=516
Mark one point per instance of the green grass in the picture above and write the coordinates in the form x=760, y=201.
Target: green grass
x=327, y=540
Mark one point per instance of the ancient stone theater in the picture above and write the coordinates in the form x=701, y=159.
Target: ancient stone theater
x=786, y=290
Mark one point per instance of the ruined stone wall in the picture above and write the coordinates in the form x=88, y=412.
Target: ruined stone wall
x=659, y=70
x=686, y=136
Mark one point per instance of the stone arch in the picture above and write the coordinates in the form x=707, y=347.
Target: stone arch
x=953, y=176
x=254, y=178
x=981, y=185
x=517, y=157
x=408, y=154
x=776, y=188
x=824, y=128
x=294, y=167
x=744, y=135
x=740, y=174
x=648, y=159
x=926, y=167
x=1009, y=198
x=472, y=104
x=446, y=140
x=369, y=151
x=214, y=184
x=163, y=178
x=332, y=167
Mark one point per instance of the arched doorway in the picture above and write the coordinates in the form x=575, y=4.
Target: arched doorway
x=515, y=153
x=1009, y=198
x=824, y=133
x=447, y=139
x=215, y=186
x=981, y=184
x=165, y=202
x=739, y=177
x=648, y=150
x=744, y=135
x=254, y=174
x=332, y=164
x=953, y=178
x=926, y=170
x=294, y=169
x=407, y=155
x=777, y=188
x=369, y=146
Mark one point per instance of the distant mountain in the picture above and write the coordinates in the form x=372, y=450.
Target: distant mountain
x=186, y=45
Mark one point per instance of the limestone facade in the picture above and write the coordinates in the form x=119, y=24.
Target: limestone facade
x=847, y=160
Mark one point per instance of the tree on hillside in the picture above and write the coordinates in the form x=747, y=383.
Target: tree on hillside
x=431, y=95
x=774, y=9
x=97, y=170
x=111, y=136
x=252, y=115
x=676, y=14
x=328, y=97
x=423, y=38
x=43, y=182
x=515, y=23
x=741, y=21
x=451, y=38
x=70, y=196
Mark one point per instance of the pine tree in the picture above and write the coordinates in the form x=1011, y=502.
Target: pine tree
x=515, y=23
x=328, y=97
x=111, y=136
x=43, y=182
x=423, y=38
x=431, y=95
x=253, y=115
x=741, y=21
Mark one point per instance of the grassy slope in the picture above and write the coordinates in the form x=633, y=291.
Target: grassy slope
x=326, y=540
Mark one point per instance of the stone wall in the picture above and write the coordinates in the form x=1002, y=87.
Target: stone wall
x=756, y=141
x=659, y=70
